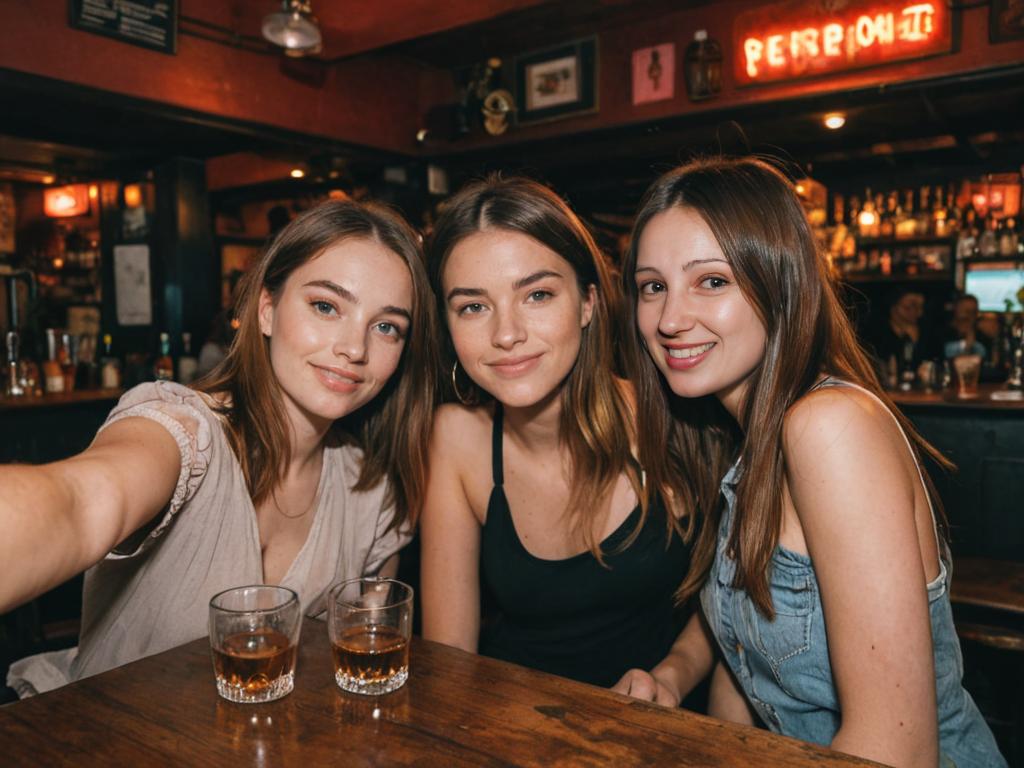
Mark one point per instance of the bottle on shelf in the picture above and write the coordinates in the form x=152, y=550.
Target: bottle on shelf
x=923, y=217
x=68, y=356
x=988, y=243
x=867, y=217
x=53, y=374
x=906, y=224
x=940, y=214
x=1007, y=237
x=887, y=218
x=188, y=365
x=110, y=366
x=14, y=387
x=163, y=367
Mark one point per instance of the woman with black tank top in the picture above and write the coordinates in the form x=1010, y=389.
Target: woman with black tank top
x=536, y=506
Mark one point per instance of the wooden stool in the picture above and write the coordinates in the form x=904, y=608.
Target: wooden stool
x=993, y=590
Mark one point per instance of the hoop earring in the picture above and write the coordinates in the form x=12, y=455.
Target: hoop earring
x=471, y=400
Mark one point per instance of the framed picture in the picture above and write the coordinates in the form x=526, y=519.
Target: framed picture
x=1006, y=20
x=557, y=82
x=654, y=73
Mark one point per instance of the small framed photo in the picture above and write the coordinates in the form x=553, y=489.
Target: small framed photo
x=557, y=82
x=1006, y=20
x=654, y=73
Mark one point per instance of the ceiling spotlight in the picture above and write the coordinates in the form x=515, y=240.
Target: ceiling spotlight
x=298, y=173
x=294, y=28
x=835, y=120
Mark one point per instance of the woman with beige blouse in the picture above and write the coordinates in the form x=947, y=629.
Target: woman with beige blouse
x=292, y=463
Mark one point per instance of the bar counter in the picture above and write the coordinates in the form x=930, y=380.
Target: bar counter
x=48, y=400
x=49, y=427
x=984, y=437
x=457, y=709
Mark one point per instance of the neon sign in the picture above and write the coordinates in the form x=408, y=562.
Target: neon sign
x=801, y=39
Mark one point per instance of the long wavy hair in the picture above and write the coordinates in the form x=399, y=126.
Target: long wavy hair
x=597, y=422
x=390, y=428
x=687, y=445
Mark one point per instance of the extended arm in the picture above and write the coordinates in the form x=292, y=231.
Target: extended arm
x=449, y=546
x=58, y=519
x=854, y=487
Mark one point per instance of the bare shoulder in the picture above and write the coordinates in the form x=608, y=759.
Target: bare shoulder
x=836, y=417
x=462, y=436
x=844, y=440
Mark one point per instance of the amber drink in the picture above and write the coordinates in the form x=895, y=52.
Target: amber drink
x=370, y=623
x=254, y=635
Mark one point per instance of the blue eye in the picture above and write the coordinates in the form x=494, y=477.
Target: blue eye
x=322, y=307
x=540, y=295
x=390, y=329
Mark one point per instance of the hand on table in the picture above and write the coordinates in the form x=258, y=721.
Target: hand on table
x=643, y=685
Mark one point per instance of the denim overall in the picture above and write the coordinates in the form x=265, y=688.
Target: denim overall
x=783, y=665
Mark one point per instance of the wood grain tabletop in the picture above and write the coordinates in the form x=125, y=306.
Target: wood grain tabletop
x=456, y=710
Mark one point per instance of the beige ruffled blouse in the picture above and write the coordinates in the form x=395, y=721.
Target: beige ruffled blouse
x=152, y=592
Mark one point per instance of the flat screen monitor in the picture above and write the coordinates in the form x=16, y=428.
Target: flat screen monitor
x=995, y=286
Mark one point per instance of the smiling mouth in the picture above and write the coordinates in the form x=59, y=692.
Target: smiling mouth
x=515, y=365
x=338, y=380
x=686, y=354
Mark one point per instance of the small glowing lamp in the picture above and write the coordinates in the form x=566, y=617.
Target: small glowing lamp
x=834, y=120
x=70, y=200
x=133, y=195
x=298, y=173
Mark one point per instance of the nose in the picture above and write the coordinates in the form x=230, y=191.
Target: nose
x=677, y=314
x=350, y=342
x=508, y=329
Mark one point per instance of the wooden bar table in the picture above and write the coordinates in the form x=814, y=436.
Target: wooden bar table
x=457, y=709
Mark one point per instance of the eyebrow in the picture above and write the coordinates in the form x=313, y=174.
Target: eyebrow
x=517, y=285
x=351, y=298
x=685, y=267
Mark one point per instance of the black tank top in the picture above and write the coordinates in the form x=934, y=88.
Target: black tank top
x=575, y=617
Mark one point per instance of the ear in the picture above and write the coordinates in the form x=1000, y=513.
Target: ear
x=266, y=312
x=588, y=306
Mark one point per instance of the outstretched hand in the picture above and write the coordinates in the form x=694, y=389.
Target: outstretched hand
x=643, y=685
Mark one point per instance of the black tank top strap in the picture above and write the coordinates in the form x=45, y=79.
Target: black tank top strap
x=497, y=470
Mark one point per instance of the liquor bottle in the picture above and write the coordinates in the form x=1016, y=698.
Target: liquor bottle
x=906, y=225
x=867, y=217
x=67, y=354
x=14, y=388
x=923, y=215
x=110, y=367
x=988, y=244
x=1008, y=237
x=954, y=215
x=163, y=367
x=940, y=214
x=187, y=363
x=52, y=372
x=887, y=219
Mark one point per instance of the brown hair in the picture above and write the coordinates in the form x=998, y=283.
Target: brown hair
x=686, y=446
x=596, y=418
x=391, y=427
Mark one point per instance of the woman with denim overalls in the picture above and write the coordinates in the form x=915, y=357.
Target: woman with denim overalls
x=822, y=576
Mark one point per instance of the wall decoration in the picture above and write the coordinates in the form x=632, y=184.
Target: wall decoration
x=557, y=82
x=797, y=39
x=132, y=290
x=654, y=73
x=1006, y=20
x=151, y=24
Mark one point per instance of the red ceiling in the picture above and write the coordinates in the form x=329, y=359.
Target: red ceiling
x=355, y=26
